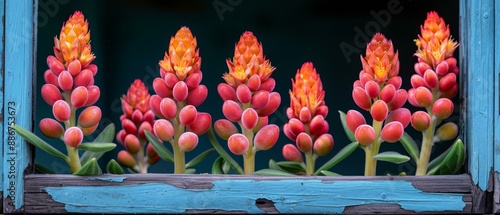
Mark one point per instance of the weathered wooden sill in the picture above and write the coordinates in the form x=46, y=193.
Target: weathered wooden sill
x=167, y=193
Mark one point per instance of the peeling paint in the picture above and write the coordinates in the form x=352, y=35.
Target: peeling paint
x=289, y=196
x=117, y=179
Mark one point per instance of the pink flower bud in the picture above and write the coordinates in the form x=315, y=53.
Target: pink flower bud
x=442, y=68
x=74, y=67
x=304, y=142
x=420, y=120
x=224, y=128
x=243, y=94
x=387, y=94
x=372, y=89
x=365, y=77
x=89, y=130
x=296, y=126
x=365, y=134
x=238, y=144
x=232, y=110
x=288, y=133
x=379, y=110
x=129, y=126
x=268, y=85
x=266, y=137
x=263, y=121
x=291, y=153
x=149, y=116
x=392, y=132
x=55, y=65
x=150, y=151
x=144, y=126
x=451, y=93
x=84, y=78
x=402, y=115
x=61, y=110
x=73, y=136
x=187, y=115
x=399, y=100
x=322, y=110
x=136, y=116
x=168, y=108
x=201, y=124
x=396, y=81
x=180, y=91
x=132, y=144
x=120, y=136
x=50, y=94
x=423, y=97
x=249, y=118
x=253, y=82
x=417, y=81
x=290, y=113
x=430, y=79
x=305, y=115
x=163, y=129
x=452, y=62
x=51, y=128
x=65, y=81
x=93, y=68
x=170, y=80
x=442, y=108
x=361, y=98
x=127, y=108
x=50, y=78
x=79, y=97
x=260, y=99
x=188, y=141
x=161, y=88
x=447, y=82
x=152, y=160
x=89, y=117
x=421, y=67
x=411, y=98
x=357, y=83
x=318, y=125
x=193, y=80
x=126, y=159
x=197, y=96
x=93, y=95
x=226, y=92
x=354, y=119
x=274, y=103
x=323, y=145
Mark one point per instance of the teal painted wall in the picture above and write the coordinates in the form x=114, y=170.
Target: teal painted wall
x=129, y=38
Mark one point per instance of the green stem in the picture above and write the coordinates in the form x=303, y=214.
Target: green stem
x=372, y=150
x=74, y=157
x=179, y=158
x=143, y=166
x=249, y=156
x=425, y=152
x=309, y=163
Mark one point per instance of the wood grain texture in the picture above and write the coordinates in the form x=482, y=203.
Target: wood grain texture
x=2, y=36
x=277, y=199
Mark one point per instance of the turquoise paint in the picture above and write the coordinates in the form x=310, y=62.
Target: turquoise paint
x=117, y=179
x=497, y=90
x=20, y=28
x=2, y=13
x=289, y=196
x=477, y=78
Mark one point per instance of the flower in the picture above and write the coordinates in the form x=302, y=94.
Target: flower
x=380, y=61
x=74, y=41
x=307, y=90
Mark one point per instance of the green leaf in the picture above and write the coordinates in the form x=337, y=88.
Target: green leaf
x=190, y=171
x=450, y=161
x=217, y=166
x=393, y=157
x=272, y=172
x=347, y=131
x=411, y=146
x=273, y=165
x=222, y=152
x=37, y=142
x=40, y=169
x=106, y=136
x=341, y=155
x=90, y=168
x=162, y=151
x=97, y=147
x=291, y=166
x=226, y=167
x=114, y=168
x=199, y=158
x=328, y=173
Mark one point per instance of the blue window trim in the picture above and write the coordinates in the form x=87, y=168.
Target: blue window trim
x=479, y=76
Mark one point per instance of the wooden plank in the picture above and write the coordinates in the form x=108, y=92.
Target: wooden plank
x=2, y=22
x=20, y=28
x=496, y=197
x=164, y=193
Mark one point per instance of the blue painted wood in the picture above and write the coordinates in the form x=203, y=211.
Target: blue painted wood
x=289, y=196
x=2, y=13
x=477, y=81
x=497, y=90
x=19, y=67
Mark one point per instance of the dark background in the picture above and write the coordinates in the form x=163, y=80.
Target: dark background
x=129, y=37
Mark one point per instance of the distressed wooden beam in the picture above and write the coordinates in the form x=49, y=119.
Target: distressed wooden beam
x=166, y=193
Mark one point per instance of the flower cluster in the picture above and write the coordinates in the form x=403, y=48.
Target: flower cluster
x=307, y=125
x=248, y=100
x=136, y=118
x=178, y=93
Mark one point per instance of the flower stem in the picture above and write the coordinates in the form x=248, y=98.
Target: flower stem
x=143, y=166
x=425, y=152
x=372, y=150
x=309, y=163
x=179, y=158
x=74, y=158
x=249, y=156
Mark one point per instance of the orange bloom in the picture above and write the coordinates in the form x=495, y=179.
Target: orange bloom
x=307, y=90
x=380, y=62
x=183, y=57
x=435, y=43
x=248, y=60
x=137, y=96
x=74, y=41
